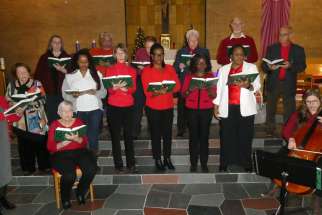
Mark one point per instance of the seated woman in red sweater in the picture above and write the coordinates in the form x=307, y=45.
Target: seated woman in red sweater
x=198, y=101
x=159, y=105
x=69, y=154
x=305, y=116
x=120, y=110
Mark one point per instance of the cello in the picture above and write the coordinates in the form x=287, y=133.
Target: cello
x=308, y=140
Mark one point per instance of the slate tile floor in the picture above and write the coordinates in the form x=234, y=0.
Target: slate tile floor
x=157, y=199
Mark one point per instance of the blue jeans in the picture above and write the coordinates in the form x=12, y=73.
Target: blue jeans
x=92, y=119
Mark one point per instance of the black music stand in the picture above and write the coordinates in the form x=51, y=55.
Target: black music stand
x=287, y=169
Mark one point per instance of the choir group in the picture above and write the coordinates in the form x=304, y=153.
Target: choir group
x=68, y=101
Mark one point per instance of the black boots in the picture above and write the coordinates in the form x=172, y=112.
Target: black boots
x=168, y=163
x=159, y=164
x=6, y=204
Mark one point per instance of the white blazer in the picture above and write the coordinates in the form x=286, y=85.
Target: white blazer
x=247, y=97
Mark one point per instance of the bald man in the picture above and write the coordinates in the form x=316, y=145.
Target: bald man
x=281, y=79
x=237, y=37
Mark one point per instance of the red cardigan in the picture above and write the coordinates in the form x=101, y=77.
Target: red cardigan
x=292, y=124
x=222, y=53
x=150, y=74
x=52, y=144
x=4, y=105
x=198, y=98
x=120, y=98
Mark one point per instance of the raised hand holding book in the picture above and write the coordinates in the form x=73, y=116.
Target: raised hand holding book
x=110, y=81
x=276, y=62
x=60, y=61
x=19, y=97
x=185, y=59
x=234, y=78
x=203, y=82
x=21, y=104
x=103, y=60
x=60, y=133
x=155, y=86
x=138, y=64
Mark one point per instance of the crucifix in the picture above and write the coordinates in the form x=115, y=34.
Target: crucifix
x=165, y=8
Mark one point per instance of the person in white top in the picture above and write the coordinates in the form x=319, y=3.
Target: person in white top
x=84, y=88
x=235, y=107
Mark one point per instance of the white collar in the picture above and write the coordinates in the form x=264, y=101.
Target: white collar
x=241, y=36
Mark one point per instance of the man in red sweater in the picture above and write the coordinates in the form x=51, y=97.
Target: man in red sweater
x=237, y=37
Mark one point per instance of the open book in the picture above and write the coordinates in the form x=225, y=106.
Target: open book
x=108, y=82
x=246, y=47
x=21, y=104
x=61, y=132
x=242, y=77
x=276, y=62
x=185, y=59
x=153, y=86
x=140, y=63
x=203, y=82
x=19, y=97
x=61, y=61
x=105, y=59
x=81, y=91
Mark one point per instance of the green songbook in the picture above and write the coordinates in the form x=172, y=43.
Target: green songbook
x=61, y=132
x=72, y=91
x=65, y=61
x=108, y=82
x=203, y=82
x=153, y=86
x=107, y=60
x=242, y=77
x=276, y=62
x=136, y=64
x=186, y=58
x=318, y=179
x=246, y=47
x=21, y=104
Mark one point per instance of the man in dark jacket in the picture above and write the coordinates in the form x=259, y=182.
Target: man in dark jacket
x=281, y=79
x=182, y=67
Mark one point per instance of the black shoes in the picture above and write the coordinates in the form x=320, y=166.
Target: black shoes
x=66, y=205
x=193, y=168
x=80, y=198
x=204, y=168
x=132, y=169
x=159, y=164
x=222, y=168
x=6, y=204
x=168, y=163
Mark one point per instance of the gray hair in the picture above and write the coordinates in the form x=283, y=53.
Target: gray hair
x=192, y=33
x=64, y=103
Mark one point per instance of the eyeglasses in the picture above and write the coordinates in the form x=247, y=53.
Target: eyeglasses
x=312, y=101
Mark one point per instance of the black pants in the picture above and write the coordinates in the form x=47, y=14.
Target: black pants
x=65, y=162
x=121, y=118
x=182, y=114
x=3, y=191
x=236, y=136
x=160, y=122
x=199, y=124
x=32, y=147
x=138, y=107
x=52, y=102
x=289, y=104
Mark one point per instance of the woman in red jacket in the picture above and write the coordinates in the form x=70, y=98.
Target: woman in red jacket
x=120, y=110
x=69, y=154
x=198, y=101
x=159, y=105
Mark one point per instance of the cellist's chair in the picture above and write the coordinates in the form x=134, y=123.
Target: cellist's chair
x=57, y=178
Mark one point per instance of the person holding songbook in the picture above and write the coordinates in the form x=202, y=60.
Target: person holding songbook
x=237, y=37
x=5, y=153
x=120, y=104
x=50, y=70
x=181, y=64
x=103, y=55
x=85, y=89
x=31, y=129
x=142, y=56
x=160, y=82
x=235, y=107
x=281, y=78
x=199, y=89
x=70, y=153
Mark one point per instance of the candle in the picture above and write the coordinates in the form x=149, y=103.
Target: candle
x=77, y=46
x=93, y=44
x=2, y=65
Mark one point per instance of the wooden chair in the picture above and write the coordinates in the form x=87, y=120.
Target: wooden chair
x=57, y=177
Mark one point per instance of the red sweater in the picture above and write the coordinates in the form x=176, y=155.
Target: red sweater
x=3, y=107
x=120, y=98
x=222, y=52
x=52, y=144
x=150, y=74
x=100, y=51
x=198, y=98
x=292, y=124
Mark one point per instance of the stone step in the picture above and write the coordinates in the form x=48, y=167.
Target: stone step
x=153, y=178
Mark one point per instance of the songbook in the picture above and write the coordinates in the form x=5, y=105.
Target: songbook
x=203, y=82
x=153, y=86
x=136, y=64
x=242, y=77
x=185, y=59
x=246, y=47
x=81, y=91
x=19, y=97
x=21, y=104
x=60, y=133
x=64, y=61
x=108, y=82
x=107, y=60
x=276, y=62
